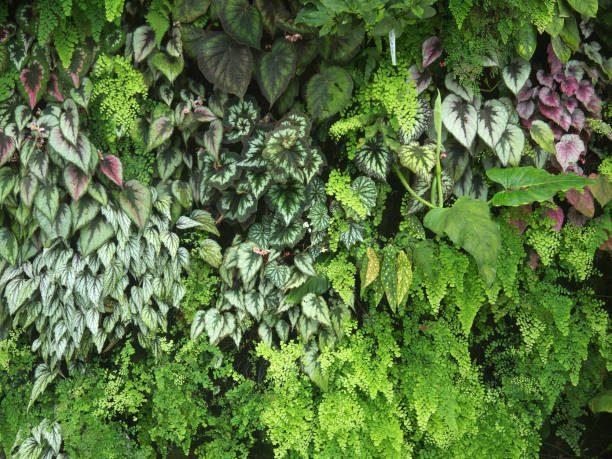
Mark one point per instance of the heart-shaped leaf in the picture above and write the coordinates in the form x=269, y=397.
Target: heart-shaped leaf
x=510, y=146
x=83, y=211
x=469, y=225
x=373, y=158
x=76, y=181
x=601, y=189
x=525, y=185
x=79, y=154
x=328, y=92
x=460, y=118
x=9, y=248
x=69, y=121
x=287, y=201
x=242, y=21
x=420, y=159
x=167, y=162
x=7, y=147
x=135, y=200
x=94, y=235
x=315, y=307
x=543, y=135
x=583, y=202
x=29, y=187
x=587, y=8
x=492, y=121
x=237, y=206
x=431, y=50
x=160, y=130
x=170, y=66
x=112, y=168
x=569, y=149
x=33, y=82
x=47, y=201
x=144, y=42
x=526, y=41
x=275, y=68
x=8, y=180
x=516, y=74
x=225, y=63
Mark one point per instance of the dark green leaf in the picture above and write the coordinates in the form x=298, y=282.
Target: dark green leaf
x=328, y=92
x=275, y=69
x=242, y=21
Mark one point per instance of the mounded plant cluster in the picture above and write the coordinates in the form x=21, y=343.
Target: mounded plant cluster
x=305, y=228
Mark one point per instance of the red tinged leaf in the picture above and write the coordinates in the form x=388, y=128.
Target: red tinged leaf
x=583, y=202
x=112, y=168
x=569, y=149
x=421, y=79
x=53, y=89
x=76, y=181
x=544, y=78
x=204, y=114
x=534, y=260
x=552, y=113
x=594, y=105
x=549, y=97
x=33, y=82
x=584, y=92
x=578, y=119
x=526, y=93
x=553, y=60
x=525, y=109
x=569, y=86
x=571, y=105
x=431, y=50
x=7, y=147
x=558, y=216
x=565, y=120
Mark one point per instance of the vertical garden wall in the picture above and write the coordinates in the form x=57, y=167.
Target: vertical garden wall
x=318, y=228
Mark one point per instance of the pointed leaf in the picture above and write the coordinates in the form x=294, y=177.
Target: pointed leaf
x=516, y=74
x=492, y=121
x=135, y=200
x=420, y=159
x=9, y=250
x=315, y=307
x=7, y=148
x=388, y=277
x=601, y=189
x=213, y=137
x=404, y=276
x=210, y=251
x=33, y=82
x=215, y=323
x=225, y=63
x=305, y=263
x=287, y=200
x=160, y=130
x=569, y=149
x=69, y=121
x=254, y=303
x=144, y=42
x=373, y=158
x=47, y=201
x=29, y=187
x=328, y=92
x=242, y=21
x=112, y=168
x=83, y=211
x=431, y=50
x=171, y=67
x=587, y=8
x=249, y=262
x=370, y=268
x=460, y=118
x=94, y=235
x=583, y=202
x=79, y=154
x=510, y=146
x=237, y=206
x=76, y=181
x=275, y=69
x=543, y=135
x=8, y=180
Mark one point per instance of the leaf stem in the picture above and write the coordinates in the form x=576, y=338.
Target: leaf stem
x=438, y=126
x=410, y=190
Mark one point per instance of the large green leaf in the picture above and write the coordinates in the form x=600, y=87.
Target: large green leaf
x=587, y=8
x=144, y=42
x=510, y=146
x=468, y=223
x=287, y=200
x=460, y=118
x=420, y=159
x=76, y=181
x=210, y=251
x=238, y=206
x=254, y=303
x=275, y=68
x=78, y=154
x=9, y=250
x=83, y=211
x=492, y=121
x=328, y=92
x=167, y=162
x=543, y=135
x=135, y=200
x=602, y=402
x=189, y=10
x=93, y=235
x=315, y=307
x=8, y=180
x=47, y=201
x=225, y=63
x=160, y=130
x=242, y=21
x=285, y=154
x=524, y=185
x=170, y=66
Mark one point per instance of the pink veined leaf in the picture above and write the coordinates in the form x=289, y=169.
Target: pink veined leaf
x=569, y=149
x=553, y=60
x=431, y=50
x=585, y=91
x=565, y=120
x=526, y=92
x=31, y=79
x=574, y=169
x=549, y=97
x=525, y=109
x=558, y=216
x=544, y=78
x=576, y=218
x=534, y=260
x=558, y=77
x=76, y=181
x=552, y=113
x=112, y=168
x=7, y=147
x=569, y=86
x=594, y=105
x=421, y=79
x=578, y=119
x=571, y=105
x=53, y=89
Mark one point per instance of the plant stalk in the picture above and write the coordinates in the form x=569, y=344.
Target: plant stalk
x=409, y=189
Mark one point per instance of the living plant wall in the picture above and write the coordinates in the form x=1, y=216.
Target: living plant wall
x=318, y=228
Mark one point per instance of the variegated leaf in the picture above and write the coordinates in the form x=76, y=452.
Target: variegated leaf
x=112, y=168
x=510, y=146
x=69, y=121
x=460, y=118
x=420, y=159
x=135, y=200
x=76, y=181
x=492, y=121
x=516, y=74
x=93, y=235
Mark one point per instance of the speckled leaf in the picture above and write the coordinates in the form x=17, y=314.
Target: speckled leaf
x=388, y=277
x=369, y=268
x=404, y=276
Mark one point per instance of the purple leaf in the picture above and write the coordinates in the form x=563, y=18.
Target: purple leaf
x=594, y=105
x=534, y=260
x=553, y=60
x=76, y=181
x=544, y=78
x=53, y=89
x=565, y=120
x=569, y=86
x=585, y=92
x=571, y=105
x=549, y=97
x=7, y=147
x=583, y=202
x=576, y=218
x=557, y=131
x=112, y=168
x=31, y=79
x=525, y=109
x=431, y=50
x=527, y=92
x=558, y=216
x=550, y=112
x=569, y=149
x=421, y=79
x=578, y=119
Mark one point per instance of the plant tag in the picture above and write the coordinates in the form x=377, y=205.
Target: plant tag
x=392, y=45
